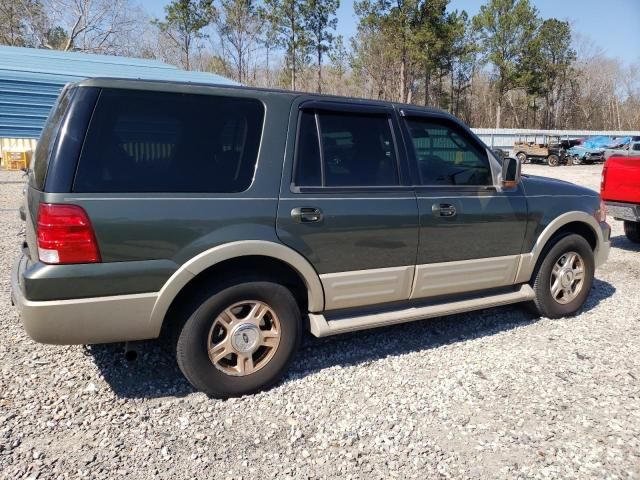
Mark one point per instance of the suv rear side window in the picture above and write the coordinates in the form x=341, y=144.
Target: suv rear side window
x=142, y=141
x=446, y=155
x=48, y=139
x=356, y=149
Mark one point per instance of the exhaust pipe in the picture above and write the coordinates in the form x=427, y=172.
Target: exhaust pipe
x=130, y=352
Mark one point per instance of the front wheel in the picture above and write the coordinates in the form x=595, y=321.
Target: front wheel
x=553, y=160
x=632, y=231
x=564, y=277
x=240, y=340
x=522, y=157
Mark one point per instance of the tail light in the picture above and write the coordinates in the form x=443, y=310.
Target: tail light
x=603, y=179
x=65, y=235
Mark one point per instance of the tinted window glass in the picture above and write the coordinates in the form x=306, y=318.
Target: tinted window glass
x=170, y=142
x=357, y=150
x=446, y=156
x=47, y=140
x=636, y=147
x=308, y=171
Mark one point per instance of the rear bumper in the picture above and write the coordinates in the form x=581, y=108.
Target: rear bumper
x=623, y=211
x=84, y=321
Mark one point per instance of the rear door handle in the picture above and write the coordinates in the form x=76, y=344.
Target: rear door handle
x=443, y=210
x=306, y=214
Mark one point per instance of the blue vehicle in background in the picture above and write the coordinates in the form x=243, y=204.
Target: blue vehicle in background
x=579, y=154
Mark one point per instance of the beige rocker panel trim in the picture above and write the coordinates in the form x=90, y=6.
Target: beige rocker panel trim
x=529, y=260
x=366, y=287
x=228, y=251
x=446, y=278
x=322, y=327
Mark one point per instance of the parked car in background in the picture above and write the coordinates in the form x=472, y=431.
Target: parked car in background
x=579, y=154
x=629, y=150
x=550, y=151
x=620, y=190
x=230, y=220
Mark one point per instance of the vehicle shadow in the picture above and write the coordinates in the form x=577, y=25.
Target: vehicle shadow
x=155, y=374
x=623, y=243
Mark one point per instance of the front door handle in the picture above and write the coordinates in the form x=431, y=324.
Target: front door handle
x=306, y=214
x=443, y=210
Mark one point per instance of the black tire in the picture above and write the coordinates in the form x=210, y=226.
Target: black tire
x=632, y=231
x=193, y=337
x=544, y=302
x=522, y=157
x=553, y=160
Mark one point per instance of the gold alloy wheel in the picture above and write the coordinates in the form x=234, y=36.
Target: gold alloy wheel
x=244, y=338
x=567, y=277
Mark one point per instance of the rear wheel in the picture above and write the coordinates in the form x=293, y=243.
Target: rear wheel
x=239, y=340
x=632, y=231
x=564, y=277
x=576, y=160
x=553, y=160
x=522, y=157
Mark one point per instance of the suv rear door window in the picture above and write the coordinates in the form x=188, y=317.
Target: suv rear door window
x=446, y=155
x=355, y=149
x=141, y=141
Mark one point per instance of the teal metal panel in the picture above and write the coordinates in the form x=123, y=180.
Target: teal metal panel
x=31, y=79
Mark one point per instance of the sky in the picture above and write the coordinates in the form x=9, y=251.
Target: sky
x=614, y=25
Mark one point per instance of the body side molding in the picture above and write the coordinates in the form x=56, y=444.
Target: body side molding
x=366, y=287
x=228, y=251
x=433, y=279
x=528, y=261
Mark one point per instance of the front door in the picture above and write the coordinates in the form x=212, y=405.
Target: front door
x=471, y=231
x=346, y=203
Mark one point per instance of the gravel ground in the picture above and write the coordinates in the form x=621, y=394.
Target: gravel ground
x=495, y=393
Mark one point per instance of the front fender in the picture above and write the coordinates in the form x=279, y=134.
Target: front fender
x=529, y=260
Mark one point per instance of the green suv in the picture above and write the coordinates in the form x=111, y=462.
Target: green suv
x=230, y=220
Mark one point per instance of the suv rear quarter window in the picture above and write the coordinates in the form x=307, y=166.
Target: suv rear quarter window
x=140, y=141
x=48, y=139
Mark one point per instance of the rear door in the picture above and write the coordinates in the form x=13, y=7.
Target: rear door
x=346, y=202
x=471, y=232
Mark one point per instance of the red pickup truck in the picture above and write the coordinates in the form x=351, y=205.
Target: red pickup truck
x=620, y=190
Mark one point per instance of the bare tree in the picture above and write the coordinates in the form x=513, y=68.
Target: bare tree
x=97, y=26
x=239, y=29
x=183, y=24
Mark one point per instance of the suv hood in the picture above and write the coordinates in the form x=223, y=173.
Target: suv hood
x=537, y=185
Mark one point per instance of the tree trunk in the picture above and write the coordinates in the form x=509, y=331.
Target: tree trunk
x=268, y=72
x=498, y=111
x=427, y=81
x=319, y=88
x=402, y=77
x=293, y=51
x=451, y=91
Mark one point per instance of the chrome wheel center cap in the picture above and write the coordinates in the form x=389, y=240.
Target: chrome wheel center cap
x=567, y=277
x=245, y=337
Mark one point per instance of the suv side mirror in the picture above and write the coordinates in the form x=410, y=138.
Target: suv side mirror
x=510, y=172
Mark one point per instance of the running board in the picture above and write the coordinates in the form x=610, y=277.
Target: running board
x=321, y=327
